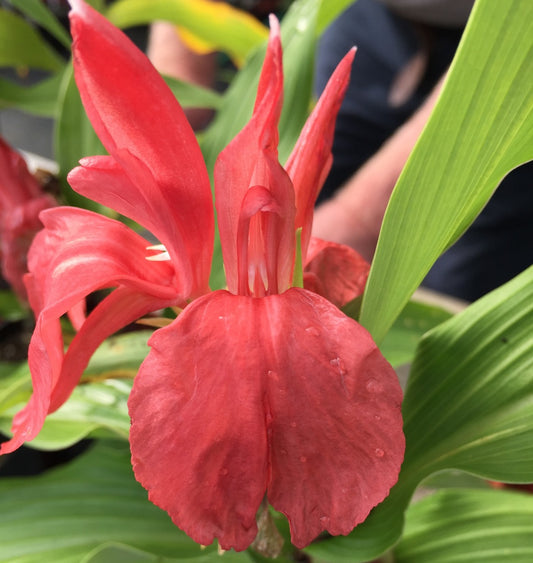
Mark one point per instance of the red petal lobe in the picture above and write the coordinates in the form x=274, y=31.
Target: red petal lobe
x=198, y=435
x=336, y=435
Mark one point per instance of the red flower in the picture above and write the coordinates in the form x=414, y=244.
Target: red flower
x=21, y=201
x=263, y=389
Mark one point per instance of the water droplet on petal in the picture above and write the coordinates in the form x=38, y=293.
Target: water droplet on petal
x=374, y=386
x=293, y=424
x=303, y=459
x=313, y=331
x=377, y=417
x=339, y=364
x=379, y=452
x=324, y=520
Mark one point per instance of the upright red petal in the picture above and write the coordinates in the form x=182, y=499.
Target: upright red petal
x=145, y=130
x=284, y=395
x=310, y=160
x=251, y=160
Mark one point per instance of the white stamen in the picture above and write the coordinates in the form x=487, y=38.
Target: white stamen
x=163, y=256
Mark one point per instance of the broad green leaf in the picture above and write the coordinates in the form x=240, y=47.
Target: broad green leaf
x=39, y=99
x=15, y=386
x=219, y=25
x=22, y=46
x=66, y=514
x=468, y=526
x=37, y=11
x=97, y=407
x=74, y=138
x=480, y=129
x=116, y=553
x=417, y=318
x=468, y=406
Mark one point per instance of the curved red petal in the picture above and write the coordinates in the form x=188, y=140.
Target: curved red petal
x=336, y=433
x=133, y=193
x=310, y=160
x=79, y=252
x=76, y=253
x=198, y=435
x=335, y=271
x=250, y=160
x=139, y=121
x=54, y=376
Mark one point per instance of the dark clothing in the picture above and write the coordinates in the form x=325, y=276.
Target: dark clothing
x=499, y=243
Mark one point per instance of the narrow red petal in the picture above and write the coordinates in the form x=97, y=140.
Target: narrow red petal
x=144, y=128
x=310, y=160
x=336, y=441
x=198, y=435
x=250, y=160
x=54, y=376
x=335, y=271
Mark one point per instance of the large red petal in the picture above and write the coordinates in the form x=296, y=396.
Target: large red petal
x=282, y=393
x=310, y=160
x=139, y=121
x=250, y=160
x=335, y=271
x=198, y=435
x=336, y=441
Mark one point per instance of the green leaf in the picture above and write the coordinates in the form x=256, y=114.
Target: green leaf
x=329, y=10
x=74, y=138
x=189, y=95
x=10, y=307
x=22, y=46
x=415, y=320
x=39, y=99
x=37, y=11
x=480, y=129
x=468, y=406
x=468, y=526
x=221, y=26
x=68, y=513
